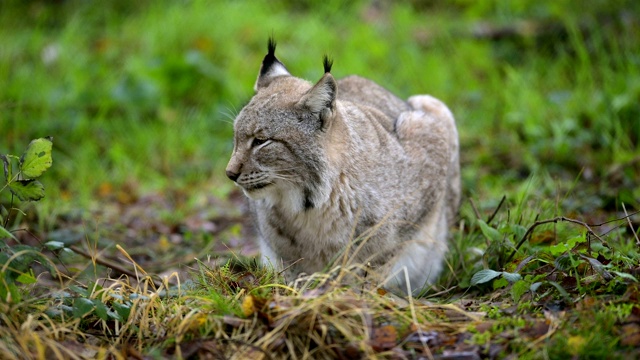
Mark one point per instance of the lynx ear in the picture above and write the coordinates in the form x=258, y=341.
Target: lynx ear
x=271, y=67
x=320, y=100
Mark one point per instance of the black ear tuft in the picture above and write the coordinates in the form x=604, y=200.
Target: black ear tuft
x=271, y=46
x=271, y=67
x=328, y=63
x=270, y=58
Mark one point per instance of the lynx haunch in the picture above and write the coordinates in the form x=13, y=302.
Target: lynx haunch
x=327, y=163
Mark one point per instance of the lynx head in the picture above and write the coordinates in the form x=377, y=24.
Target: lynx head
x=279, y=135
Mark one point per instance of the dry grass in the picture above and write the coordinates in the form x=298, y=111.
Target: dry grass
x=314, y=318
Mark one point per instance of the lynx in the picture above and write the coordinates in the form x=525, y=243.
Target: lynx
x=338, y=161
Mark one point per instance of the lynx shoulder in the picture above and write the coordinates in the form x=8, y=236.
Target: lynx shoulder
x=338, y=161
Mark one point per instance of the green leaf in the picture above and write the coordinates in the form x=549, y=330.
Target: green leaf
x=54, y=245
x=37, y=158
x=114, y=316
x=534, y=287
x=518, y=289
x=625, y=275
x=82, y=306
x=511, y=277
x=80, y=291
x=490, y=233
x=567, y=244
x=101, y=309
x=500, y=283
x=9, y=292
x=559, y=248
x=122, y=310
x=26, y=278
x=4, y=233
x=484, y=276
x=27, y=190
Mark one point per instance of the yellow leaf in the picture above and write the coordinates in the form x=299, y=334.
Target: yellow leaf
x=248, y=306
x=163, y=243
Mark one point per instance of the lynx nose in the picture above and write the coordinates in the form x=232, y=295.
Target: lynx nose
x=232, y=175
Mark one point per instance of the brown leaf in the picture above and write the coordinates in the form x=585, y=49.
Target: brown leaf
x=384, y=338
x=536, y=330
x=630, y=335
x=543, y=237
x=484, y=326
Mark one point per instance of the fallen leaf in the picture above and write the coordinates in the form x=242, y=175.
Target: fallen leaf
x=630, y=335
x=248, y=307
x=384, y=338
x=537, y=329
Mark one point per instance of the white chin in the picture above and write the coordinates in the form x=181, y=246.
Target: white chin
x=258, y=193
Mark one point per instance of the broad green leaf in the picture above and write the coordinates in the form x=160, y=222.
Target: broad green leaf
x=37, y=158
x=27, y=190
x=567, y=244
x=490, y=233
x=4, y=233
x=534, y=287
x=54, y=245
x=26, y=278
x=559, y=248
x=511, y=277
x=500, y=283
x=122, y=310
x=114, y=316
x=484, y=276
x=101, y=309
x=80, y=291
x=518, y=289
x=82, y=306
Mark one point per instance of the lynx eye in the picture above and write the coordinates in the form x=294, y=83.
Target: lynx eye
x=258, y=142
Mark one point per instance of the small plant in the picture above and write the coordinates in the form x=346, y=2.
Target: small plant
x=31, y=165
x=16, y=261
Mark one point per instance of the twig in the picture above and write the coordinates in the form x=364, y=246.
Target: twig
x=475, y=209
x=630, y=224
x=495, y=212
x=6, y=220
x=562, y=218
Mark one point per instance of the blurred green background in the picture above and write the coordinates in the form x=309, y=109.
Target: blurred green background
x=142, y=94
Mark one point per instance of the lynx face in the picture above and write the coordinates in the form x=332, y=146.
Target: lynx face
x=279, y=135
x=277, y=146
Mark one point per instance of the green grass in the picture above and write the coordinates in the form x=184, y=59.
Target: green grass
x=140, y=97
